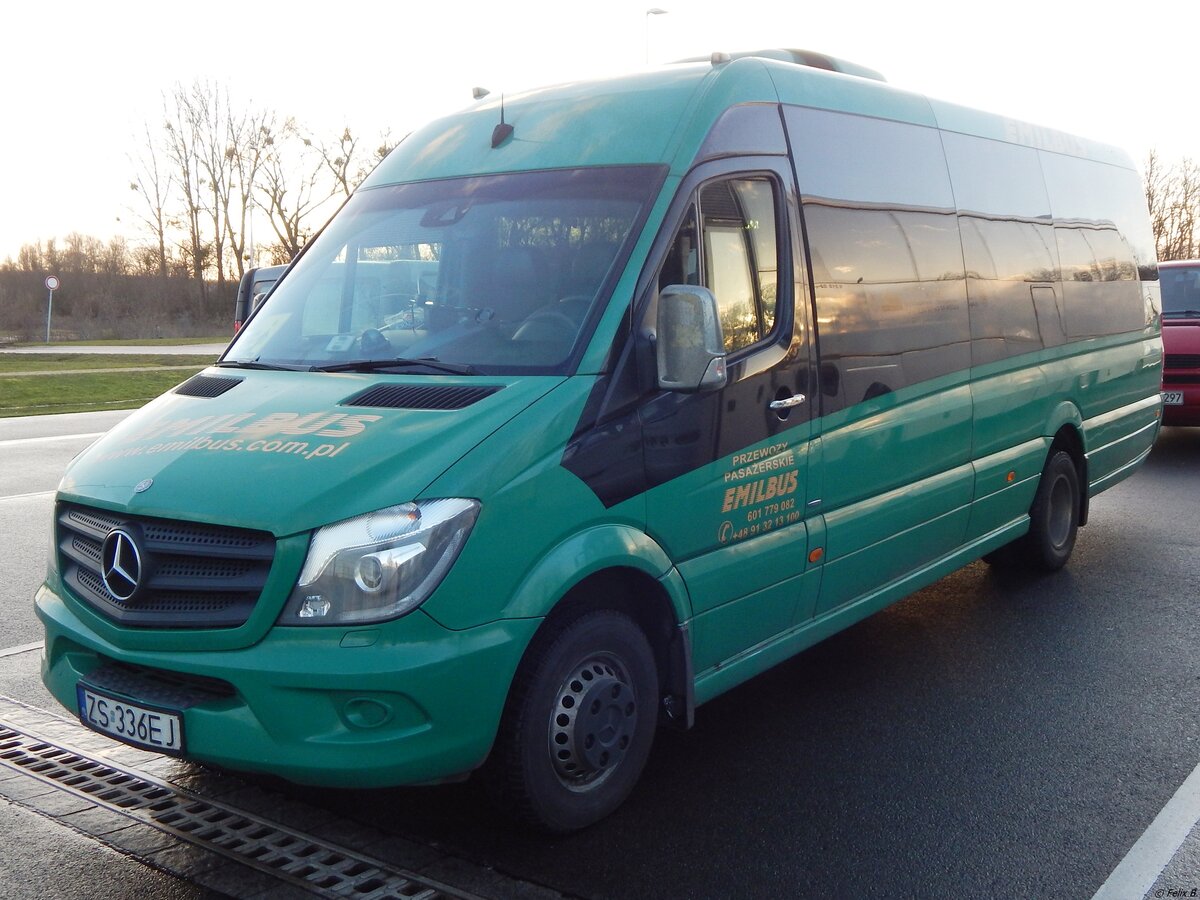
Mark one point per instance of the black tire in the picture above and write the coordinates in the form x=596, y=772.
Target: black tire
x=1053, y=520
x=578, y=724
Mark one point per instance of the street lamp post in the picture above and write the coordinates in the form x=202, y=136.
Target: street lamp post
x=653, y=11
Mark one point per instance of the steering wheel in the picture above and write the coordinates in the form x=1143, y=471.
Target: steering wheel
x=555, y=319
x=372, y=342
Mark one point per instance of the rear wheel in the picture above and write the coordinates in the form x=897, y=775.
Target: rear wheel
x=1053, y=520
x=578, y=724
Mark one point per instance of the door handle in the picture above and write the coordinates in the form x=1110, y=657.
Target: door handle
x=788, y=403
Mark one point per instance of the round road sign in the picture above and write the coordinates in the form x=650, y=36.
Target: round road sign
x=52, y=282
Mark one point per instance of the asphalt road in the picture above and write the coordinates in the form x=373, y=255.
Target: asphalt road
x=994, y=735
x=34, y=451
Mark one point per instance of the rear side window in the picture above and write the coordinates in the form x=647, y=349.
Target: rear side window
x=1104, y=245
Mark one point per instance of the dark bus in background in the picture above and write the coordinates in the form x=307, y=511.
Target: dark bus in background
x=1180, y=282
x=254, y=284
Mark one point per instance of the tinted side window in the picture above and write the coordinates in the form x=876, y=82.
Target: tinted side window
x=887, y=261
x=1008, y=246
x=1104, y=242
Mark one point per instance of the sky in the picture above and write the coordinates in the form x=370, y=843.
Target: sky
x=80, y=81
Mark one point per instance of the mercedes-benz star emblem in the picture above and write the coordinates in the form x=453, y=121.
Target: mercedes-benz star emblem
x=121, y=564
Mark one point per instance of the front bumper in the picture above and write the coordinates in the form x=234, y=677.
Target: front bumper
x=407, y=702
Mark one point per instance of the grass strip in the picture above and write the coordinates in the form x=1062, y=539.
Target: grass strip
x=43, y=362
x=36, y=395
x=130, y=342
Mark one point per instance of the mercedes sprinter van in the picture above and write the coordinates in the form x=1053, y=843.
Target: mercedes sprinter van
x=590, y=406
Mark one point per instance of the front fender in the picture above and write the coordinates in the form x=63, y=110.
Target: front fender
x=586, y=553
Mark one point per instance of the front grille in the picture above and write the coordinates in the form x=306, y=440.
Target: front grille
x=158, y=686
x=191, y=575
x=1182, y=361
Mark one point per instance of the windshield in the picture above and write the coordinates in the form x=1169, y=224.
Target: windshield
x=493, y=274
x=1180, y=287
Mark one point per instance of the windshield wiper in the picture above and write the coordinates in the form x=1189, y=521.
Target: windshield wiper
x=255, y=364
x=1181, y=313
x=375, y=365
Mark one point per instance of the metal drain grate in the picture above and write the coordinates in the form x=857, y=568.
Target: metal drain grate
x=315, y=865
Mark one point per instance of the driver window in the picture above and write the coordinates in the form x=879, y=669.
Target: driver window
x=727, y=243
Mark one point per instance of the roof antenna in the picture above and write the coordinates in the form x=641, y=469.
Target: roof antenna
x=503, y=131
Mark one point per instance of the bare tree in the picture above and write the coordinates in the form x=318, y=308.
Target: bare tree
x=210, y=111
x=338, y=159
x=153, y=183
x=183, y=146
x=292, y=186
x=250, y=140
x=30, y=259
x=1173, y=198
x=385, y=146
x=200, y=181
x=345, y=161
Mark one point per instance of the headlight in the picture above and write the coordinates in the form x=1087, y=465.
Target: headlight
x=380, y=565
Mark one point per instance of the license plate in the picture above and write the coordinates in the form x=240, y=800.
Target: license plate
x=1172, y=398
x=142, y=726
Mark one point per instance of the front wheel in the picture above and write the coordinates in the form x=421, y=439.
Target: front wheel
x=578, y=724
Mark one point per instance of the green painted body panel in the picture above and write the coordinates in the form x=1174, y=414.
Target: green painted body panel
x=596, y=549
x=1120, y=439
x=723, y=632
x=897, y=484
x=1005, y=483
x=300, y=691
x=718, y=679
x=279, y=453
x=536, y=521
x=619, y=121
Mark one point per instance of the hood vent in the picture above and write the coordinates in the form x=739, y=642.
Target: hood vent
x=207, y=386
x=421, y=396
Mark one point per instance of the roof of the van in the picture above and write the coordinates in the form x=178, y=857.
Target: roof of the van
x=662, y=117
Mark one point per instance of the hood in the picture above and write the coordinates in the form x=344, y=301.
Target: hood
x=286, y=452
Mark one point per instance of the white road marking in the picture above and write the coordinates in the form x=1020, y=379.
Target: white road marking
x=32, y=496
x=21, y=648
x=1147, y=859
x=50, y=437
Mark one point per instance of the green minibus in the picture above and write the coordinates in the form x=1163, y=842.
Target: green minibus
x=594, y=402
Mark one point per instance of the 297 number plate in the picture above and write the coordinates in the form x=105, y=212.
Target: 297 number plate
x=142, y=726
x=1172, y=398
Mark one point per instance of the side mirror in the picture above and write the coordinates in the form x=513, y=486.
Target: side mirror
x=689, y=348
